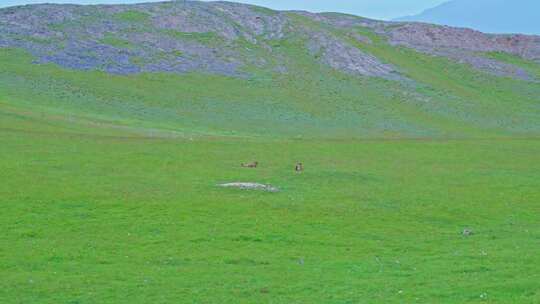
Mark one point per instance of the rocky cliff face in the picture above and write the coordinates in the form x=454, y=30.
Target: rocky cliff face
x=233, y=39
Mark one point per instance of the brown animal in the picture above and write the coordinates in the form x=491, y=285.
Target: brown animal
x=251, y=165
x=299, y=167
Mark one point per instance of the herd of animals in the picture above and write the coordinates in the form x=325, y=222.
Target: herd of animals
x=299, y=167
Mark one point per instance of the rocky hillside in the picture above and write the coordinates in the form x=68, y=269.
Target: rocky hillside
x=228, y=68
x=230, y=38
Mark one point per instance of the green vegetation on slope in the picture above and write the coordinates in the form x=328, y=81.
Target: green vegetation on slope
x=322, y=104
x=208, y=38
x=458, y=90
x=132, y=16
x=527, y=65
x=443, y=99
x=116, y=42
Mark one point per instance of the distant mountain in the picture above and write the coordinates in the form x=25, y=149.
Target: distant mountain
x=490, y=16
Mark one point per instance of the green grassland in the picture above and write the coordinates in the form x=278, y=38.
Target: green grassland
x=108, y=183
x=97, y=214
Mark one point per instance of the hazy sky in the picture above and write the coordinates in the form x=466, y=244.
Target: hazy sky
x=379, y=9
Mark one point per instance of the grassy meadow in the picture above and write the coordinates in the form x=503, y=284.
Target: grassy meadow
x=108, y=184
x=101, y=214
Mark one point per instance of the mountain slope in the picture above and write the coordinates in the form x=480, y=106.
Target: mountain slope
x=492, y=16
x=227, y=68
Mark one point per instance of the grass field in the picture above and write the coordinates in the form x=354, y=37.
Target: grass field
x=108, y=183
x=96, y=214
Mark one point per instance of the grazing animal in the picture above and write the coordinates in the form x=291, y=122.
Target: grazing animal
x=299, y=167
x=251, y=165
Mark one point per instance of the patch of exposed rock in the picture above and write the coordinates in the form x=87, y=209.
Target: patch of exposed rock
x=421, y=35
x=466, y=45
x=343, y=56
x=483, y=63
x=250, y=186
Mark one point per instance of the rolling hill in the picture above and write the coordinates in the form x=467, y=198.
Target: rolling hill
x=491, y=16
x=420, y=145
x=218, y=67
